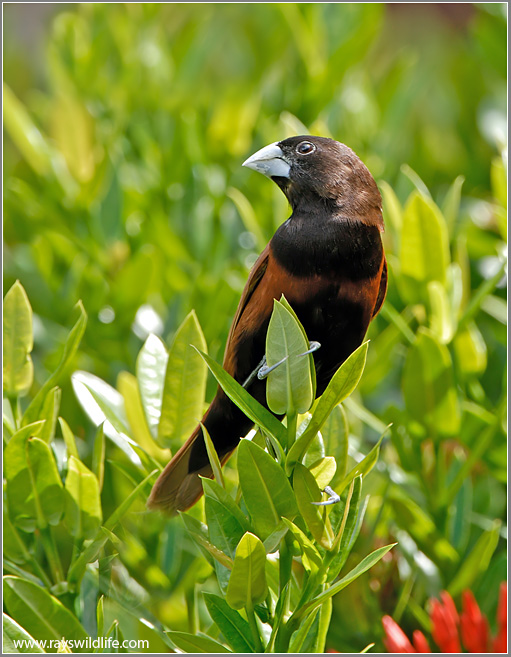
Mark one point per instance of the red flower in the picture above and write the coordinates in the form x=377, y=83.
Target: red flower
x=397, y=641
x=472, y=624
x=500, y=641
x=445, y=624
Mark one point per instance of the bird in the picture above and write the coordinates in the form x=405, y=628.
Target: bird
x=328, y=261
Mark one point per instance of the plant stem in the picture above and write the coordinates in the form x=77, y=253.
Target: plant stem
x=191, y=606
x=285, y=563
x=52, y=554
x=292, y=418
x=253, y=628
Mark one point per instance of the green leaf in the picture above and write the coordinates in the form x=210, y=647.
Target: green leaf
x=70, y=348
x=214, y=461
x=393, y=212
x=335, y=434
x=34, y=490
x=69, y=438
x=24, y=133
x=342, y=384
x=440, y=318
x=90, y=553
x=300, y=636
x=103, y=404
x=226, y=522
x=185, y=384
x=307, y=493
x=428, y=385
x=247, y=584
x=127, y=385
x=98, y=456
x=424, y=254
x=42, y=615
x=83, y=513
x=311, y=558
x=151, y=365
x=233, y=626
x=12, y=632
x=265, y=488
x=477, y=561
x=365, y=564
x=346, y=533
x=289, y=386
x=451, y=204
x=50, y=412
x=470, y=350
x=246, y=402
x=18, y=342
x=199, y=532
x=364, y=467
x=196, y=643
x=323, y=471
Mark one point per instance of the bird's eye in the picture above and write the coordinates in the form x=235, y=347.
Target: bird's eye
x=305, y=148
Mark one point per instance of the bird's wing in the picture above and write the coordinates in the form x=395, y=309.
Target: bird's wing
x=383, y=289
x=253, y=281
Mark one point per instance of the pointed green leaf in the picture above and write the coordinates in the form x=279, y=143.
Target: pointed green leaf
x=42, y=615
x=233, y=626
x=83, y=513
x=440, y=317
x=151, y=365
x=424, y=255
x=213, y=457
x=477, y=561
x=451, y=204
x=289, y=386
x=335, y=434
x=265, y=488
x=199, y=532
x=69, y=438
x=225, y=520
x=307, y=492
x=50, y=412
x=70, y=348
x=98, y=456
x=341, y=385
x=185, y=384
x=34, y=489
x=365, y=564
x=364, y=467
x=25, y=643
x=196, y=643
x=247, y=583
x=255, y=411
x=428, y=385
x=311, y=558
x=17, y=342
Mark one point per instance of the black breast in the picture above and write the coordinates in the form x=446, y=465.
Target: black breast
x=334, y=246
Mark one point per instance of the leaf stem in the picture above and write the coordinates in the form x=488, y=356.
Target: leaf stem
x=253, y=627
x=52, y=554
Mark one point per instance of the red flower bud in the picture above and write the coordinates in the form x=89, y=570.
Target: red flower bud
x=473, y=625
x=420, y=642
x=445, y=620
x=395, y=639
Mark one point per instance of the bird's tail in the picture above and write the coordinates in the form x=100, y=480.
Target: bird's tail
x=179, y=485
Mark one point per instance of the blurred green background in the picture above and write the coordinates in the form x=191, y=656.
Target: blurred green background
x=125, y=129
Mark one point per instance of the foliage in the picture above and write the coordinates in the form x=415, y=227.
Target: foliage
x=123, y=189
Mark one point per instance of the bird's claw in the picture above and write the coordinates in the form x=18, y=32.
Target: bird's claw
x=333, y=498
x=262, y=370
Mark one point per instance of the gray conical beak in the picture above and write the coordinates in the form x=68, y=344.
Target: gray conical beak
x=269, y=161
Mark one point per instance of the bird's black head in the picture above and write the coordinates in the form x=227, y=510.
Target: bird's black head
x=316, y=170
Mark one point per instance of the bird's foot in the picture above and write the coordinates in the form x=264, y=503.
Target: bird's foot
x=262, y=370
x=333, y=498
